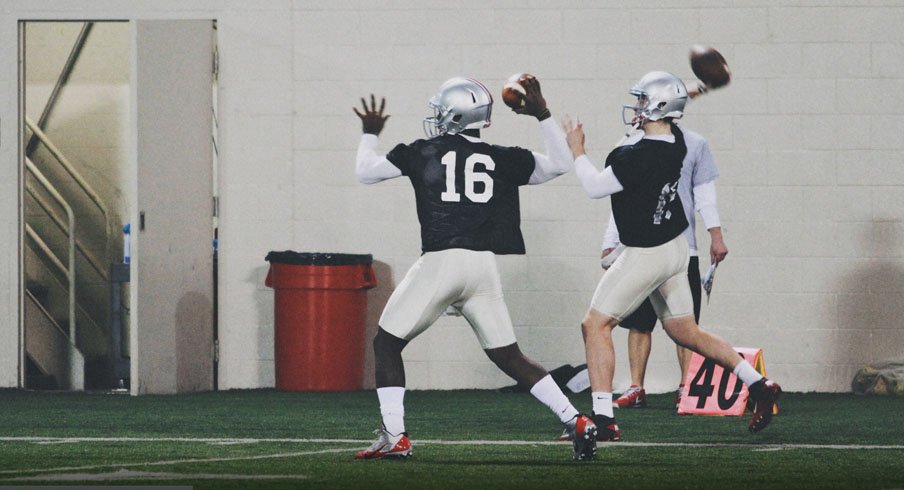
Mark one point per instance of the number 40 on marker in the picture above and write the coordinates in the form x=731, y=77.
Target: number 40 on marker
x=712, y=390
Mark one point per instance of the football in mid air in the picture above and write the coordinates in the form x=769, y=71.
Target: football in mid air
x=513, y=92
x=709, y=66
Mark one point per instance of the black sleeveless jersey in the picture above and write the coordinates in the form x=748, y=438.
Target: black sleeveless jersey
x=648, y=212
x=467, y=193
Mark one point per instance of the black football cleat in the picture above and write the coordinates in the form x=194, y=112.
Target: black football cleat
x=764, y=393
x=607, y=429
x=583, y=438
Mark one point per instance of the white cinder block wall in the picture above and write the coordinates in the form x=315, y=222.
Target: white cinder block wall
x=807, y=138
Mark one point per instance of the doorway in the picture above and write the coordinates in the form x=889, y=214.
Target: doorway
x=117, y=124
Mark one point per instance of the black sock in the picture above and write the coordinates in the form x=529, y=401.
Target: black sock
x=757, y=388
x=602, y=420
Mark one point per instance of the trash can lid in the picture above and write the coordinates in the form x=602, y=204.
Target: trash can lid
x=318, y=258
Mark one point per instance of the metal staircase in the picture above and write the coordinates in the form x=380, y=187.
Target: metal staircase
x=61, y=262
x=58, y=361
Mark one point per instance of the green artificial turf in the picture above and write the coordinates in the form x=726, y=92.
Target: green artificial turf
x=817, y=441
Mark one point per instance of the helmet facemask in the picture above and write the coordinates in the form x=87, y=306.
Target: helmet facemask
x=636, y=113
x=433, y=125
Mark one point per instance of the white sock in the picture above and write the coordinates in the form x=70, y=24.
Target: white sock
x=602, y=403
x=392, y=408
x=548, y=392
x=747, y=373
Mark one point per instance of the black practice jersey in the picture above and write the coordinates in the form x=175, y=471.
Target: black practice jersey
x=467, y=193
x=648, y=212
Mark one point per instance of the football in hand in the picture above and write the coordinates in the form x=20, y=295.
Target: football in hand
x=513, y=92
x=710, y=66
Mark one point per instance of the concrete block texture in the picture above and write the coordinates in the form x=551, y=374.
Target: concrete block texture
x=806, y=137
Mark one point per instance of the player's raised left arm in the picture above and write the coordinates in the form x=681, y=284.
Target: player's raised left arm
x=370, y=167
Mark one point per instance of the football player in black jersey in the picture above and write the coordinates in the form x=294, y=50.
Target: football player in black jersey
x=643, y=181
x=466, y=194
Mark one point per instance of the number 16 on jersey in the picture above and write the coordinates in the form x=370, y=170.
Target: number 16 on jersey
x=473, y=175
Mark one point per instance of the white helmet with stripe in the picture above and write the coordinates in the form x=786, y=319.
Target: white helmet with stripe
x=460, y=104
x=659, y=95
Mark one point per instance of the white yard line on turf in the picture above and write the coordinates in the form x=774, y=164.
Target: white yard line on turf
x=427, y=442
x=147, y=475
x=239, y=440
x=208, y=440
x=176, y=461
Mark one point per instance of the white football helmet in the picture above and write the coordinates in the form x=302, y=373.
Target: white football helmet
x=659, y=95
x=460, y=104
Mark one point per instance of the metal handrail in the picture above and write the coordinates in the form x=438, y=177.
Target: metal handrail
x=76, y=379
x=69, y=273
x=61, y=81
x=80, y=311
x=49, y=317
x=89, y=257
x=70, y=169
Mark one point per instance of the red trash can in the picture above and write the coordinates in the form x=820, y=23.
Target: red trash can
x=320, y=312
